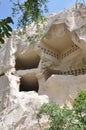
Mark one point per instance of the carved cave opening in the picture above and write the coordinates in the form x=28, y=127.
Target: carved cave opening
x=29, y=83
x=28, y=61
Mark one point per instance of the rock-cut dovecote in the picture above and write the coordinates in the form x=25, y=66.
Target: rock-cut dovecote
x=48, y=69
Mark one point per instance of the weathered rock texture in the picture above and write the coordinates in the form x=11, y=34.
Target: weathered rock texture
x=51, y=66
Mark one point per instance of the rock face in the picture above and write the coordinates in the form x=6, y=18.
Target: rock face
x=56, y=86
x=21, y=115
x=50, y=68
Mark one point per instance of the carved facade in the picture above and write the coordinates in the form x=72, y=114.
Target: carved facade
x=52, y=66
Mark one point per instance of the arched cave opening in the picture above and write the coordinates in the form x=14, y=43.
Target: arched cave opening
x=29, y=83
x=29, y=61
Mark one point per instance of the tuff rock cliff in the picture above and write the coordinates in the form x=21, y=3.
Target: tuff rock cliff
x=48, y=69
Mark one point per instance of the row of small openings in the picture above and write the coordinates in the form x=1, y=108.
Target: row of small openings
x=49, y=52
x=47, y=73
x=72, y=49
x=75, y=72
x=27, y=63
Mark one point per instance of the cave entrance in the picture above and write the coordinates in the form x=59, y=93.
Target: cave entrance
x=29, y=83
x=27, y=61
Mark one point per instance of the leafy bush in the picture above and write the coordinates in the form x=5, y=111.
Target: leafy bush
x=66, y=118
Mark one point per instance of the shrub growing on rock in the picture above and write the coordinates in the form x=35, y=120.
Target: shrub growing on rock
x=65, y=118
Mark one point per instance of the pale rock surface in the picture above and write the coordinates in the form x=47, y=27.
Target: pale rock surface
x=50, y=68
x=22, y=114
x=63, y=89
x=9, y=87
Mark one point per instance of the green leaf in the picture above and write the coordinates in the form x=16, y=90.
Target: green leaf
x=8, y=27
x=1, y=39
x=9, y=20
x=5, y=29
x=8, y=34
x=0, y=30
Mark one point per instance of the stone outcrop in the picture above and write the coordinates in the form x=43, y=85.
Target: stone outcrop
x=21, y=115
x=50, y=68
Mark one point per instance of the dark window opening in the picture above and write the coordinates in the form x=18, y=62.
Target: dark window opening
x=29, y=84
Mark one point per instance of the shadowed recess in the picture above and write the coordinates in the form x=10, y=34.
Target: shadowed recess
x=27, y=61
x=29, y=83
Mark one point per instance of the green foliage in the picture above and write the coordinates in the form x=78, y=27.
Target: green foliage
x=84, y=66
x=5, y=29
x=80, y=109
x=29, y=10
x=65, y=118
